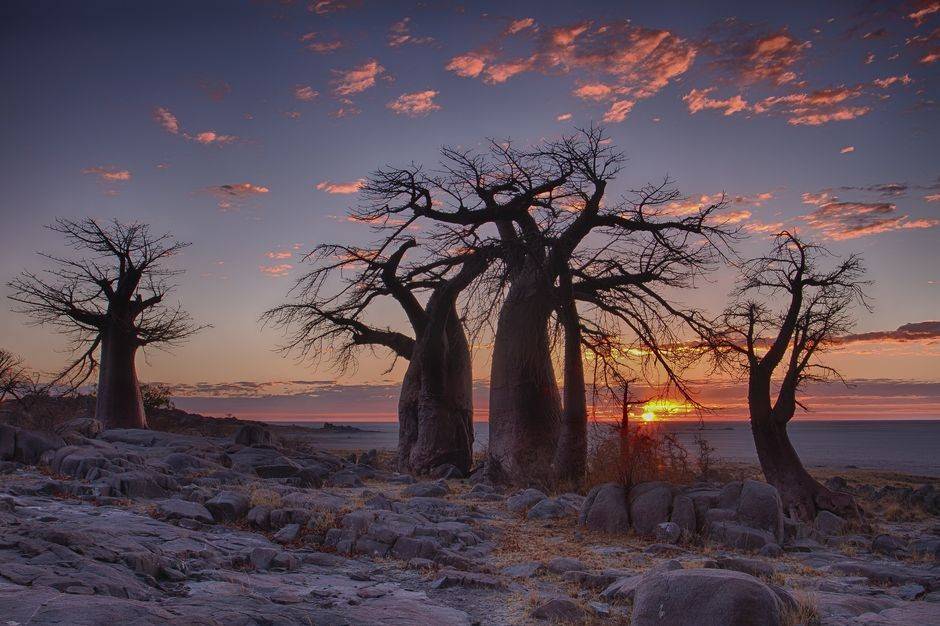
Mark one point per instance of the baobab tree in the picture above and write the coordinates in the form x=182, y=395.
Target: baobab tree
x=562, y=242
x=111, y=301
x=789, y=307
x=435, y=408
x=13, y=375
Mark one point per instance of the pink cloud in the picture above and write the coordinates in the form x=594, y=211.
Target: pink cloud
x=108, y=173
x=416, y=104
x=847, y=150
x=325, y=7
x=231, y=195
x=840, y=220
x=340, y=188
x=166, y=120
x=357, y=79
x=467, y=65
x=698, y=100
x=305, y=93
x=564, y=117
x=519, y=25
x=207, y=137
x=215, y=89
x=925, y=8
x=617, y=62
x=399, y=34
x=934, y=197
x=313, y=44
x=278, y=255
x=751, y=56
x=276, y=271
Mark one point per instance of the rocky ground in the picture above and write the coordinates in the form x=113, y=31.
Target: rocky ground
x=150, y=527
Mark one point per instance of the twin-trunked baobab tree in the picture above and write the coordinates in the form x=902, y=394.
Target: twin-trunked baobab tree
x=557, y=243
x=111, y=300
x=789, y=307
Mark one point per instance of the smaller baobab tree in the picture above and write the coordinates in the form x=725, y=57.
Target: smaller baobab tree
x=815, y=293
x=435, y=408
x=111, y=301
x=13, y=375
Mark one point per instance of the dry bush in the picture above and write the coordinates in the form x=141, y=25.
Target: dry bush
x=261, y=496
x=805, y=611
x=641, y=453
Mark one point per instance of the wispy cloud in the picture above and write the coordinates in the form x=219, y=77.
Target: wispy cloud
x=326, y=7
x=171, y=124
x=356, y=80
x=340, y=188
x=416, y=104
x=231, y=195
x=615, y=62
x=847, y=150
x=305, y=93
x=517, y=26
x=214, y=88
x=839, y=220
x=923, y=332
x=399, y=34
x=276, y=271
x=313, y=42
x=108, y=173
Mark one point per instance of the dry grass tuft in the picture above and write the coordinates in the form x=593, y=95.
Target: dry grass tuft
x=804, y=611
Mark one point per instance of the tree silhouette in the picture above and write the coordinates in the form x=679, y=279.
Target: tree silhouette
x=110, y=302
x=435, y=407
x=562, y=243
x=788, y=309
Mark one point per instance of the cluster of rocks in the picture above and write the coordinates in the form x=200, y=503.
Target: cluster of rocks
x=134, y=526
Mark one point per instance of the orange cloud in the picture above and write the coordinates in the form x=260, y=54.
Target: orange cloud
x=230, y=195
x=399, y=34
x=847, y=150
x=340, y=188
x=171, y=124
x=916, y=332
x=756, y=57
x=313, y=44
x=276, y=271
x=108, y=173
x=564, y=117
x=519, y=25
x=416, y=104
x=467, y=65
x=925, y=9
x=634, y=62
x=305, y=93
x=278, y=255
x=698, y=100
x=357, y=79
x=838, y=220
x=166, y=120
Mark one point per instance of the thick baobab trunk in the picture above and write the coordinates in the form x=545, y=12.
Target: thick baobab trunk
x=436, y=408
x=119, y=404
x=571, y=455
x=802, y=495
x=525, y=408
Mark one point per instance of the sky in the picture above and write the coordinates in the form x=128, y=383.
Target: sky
x=245, y=128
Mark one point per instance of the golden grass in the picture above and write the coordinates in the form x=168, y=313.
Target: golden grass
x=804, y=612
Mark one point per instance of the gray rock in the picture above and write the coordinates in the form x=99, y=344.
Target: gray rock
x=407, y=548
x=753, y=567
x=887, y=544
x=551, y=508
x=26, y=446
x=683, y=513
x=928, y=547
x=253, y=435
x=228, y=506
x=738, y=536
x=523, y=570
x=910, y=591
x=713, y=597
x=759, y=507
x=287, y=534
x=559, y=609
x=141, y=484
x=446, y=470
x=183, y=509
x=522, y=501
x=84, y=426
x=605, y=509
x=668, y=532
x=344, y=478
x=649, y=506
x=454, y=578
x=730, y=495
x=262, y=558
x=829, y=523
x=622, y=589
x=425, y=490
x=771, y=550
x=562, y=564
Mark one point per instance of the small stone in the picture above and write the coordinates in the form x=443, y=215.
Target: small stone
x=771, y=550
x=910, y=591
x=261, y=558
x=287, y=534
x=562, y=564
x=559, y=610
x=425, y=490
x=522, y=501
x=668, y=532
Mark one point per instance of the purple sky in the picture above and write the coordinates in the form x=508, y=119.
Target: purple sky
x=244, y=128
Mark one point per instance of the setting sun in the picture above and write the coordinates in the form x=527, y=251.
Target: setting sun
x=649, y=416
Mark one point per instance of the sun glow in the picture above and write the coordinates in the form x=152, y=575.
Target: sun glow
x=649, y=416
